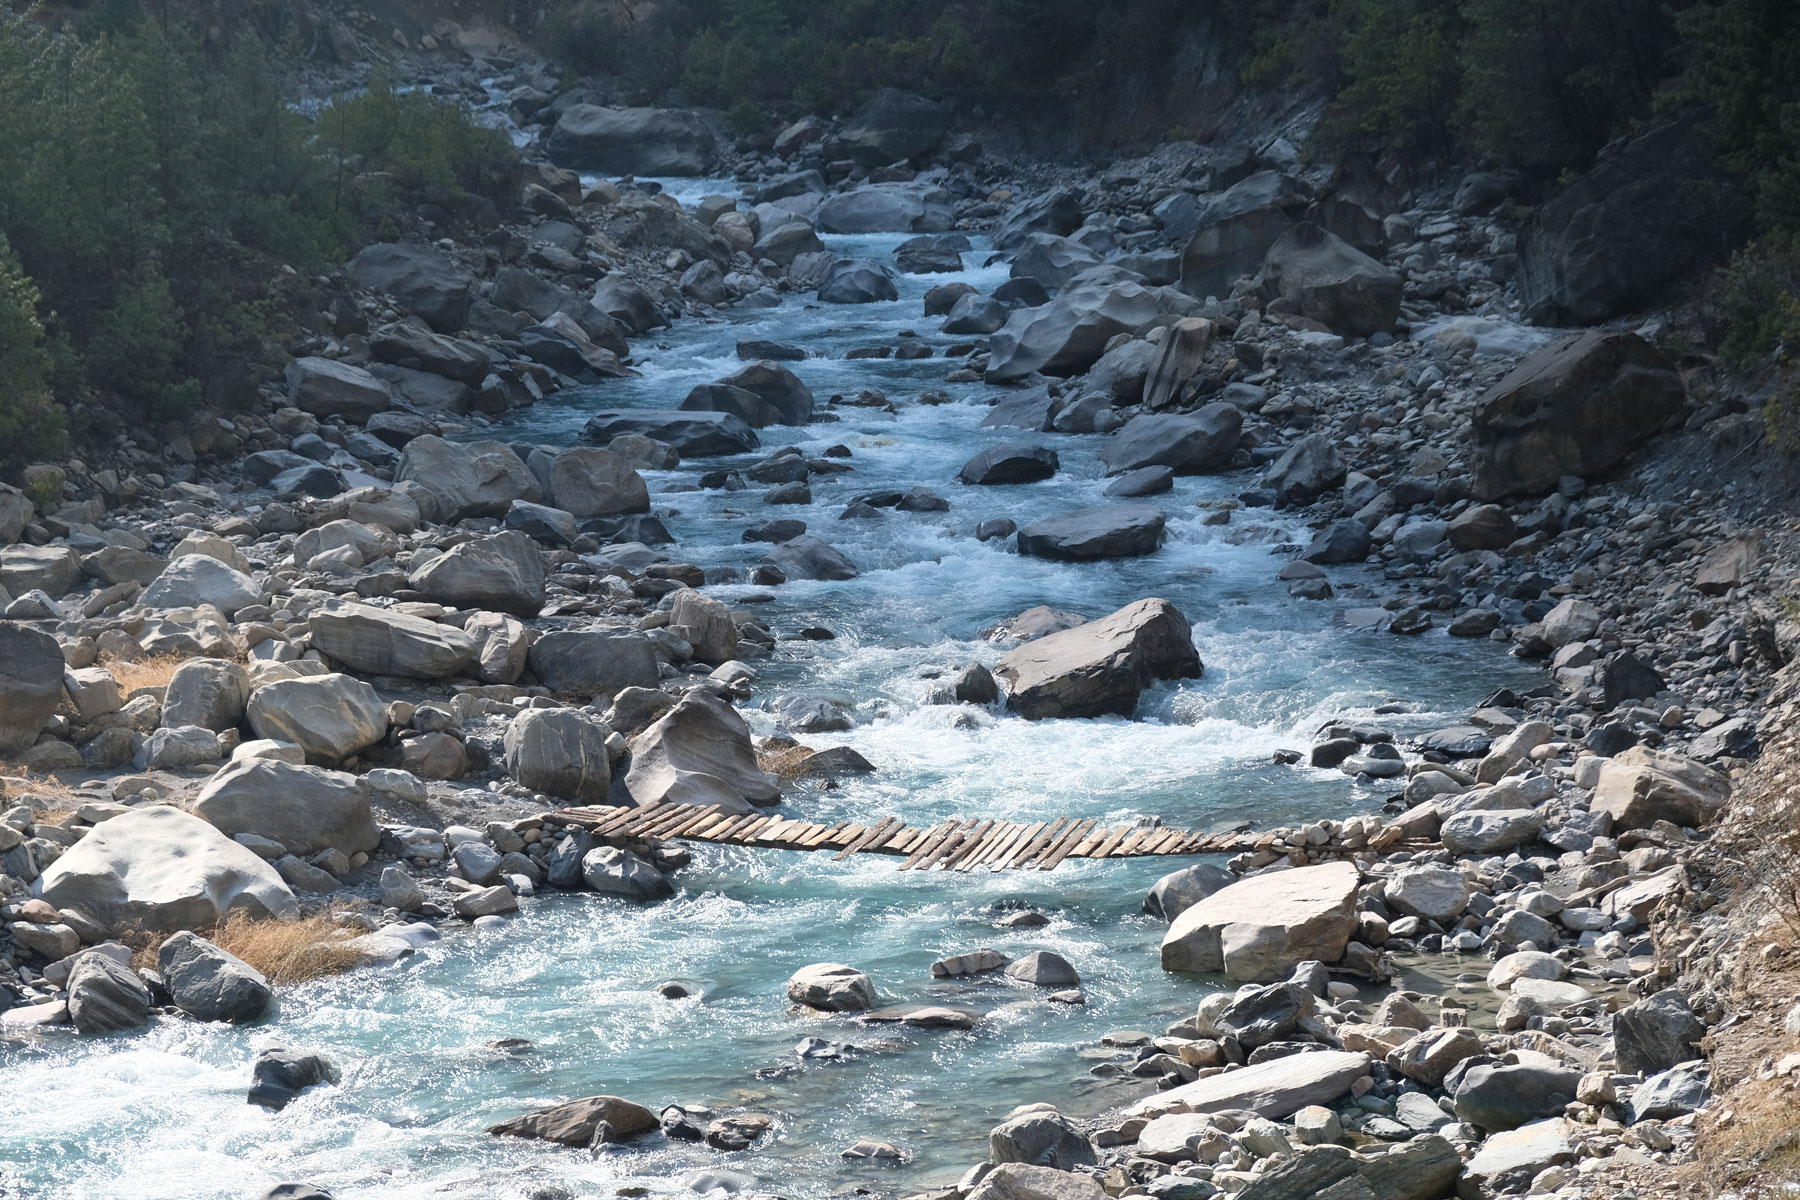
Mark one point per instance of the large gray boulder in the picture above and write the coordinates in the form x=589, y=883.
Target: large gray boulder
x=106, y=996
x=1656, y=1033
x=1010, y=462
x=1498, y=1096
x=325, y=387
x=1305, y=471
x=1186, y=443
x=693, y=434
x=424, y=281
x=1575, y=407
x=1324, y=278
x=888, y=208
x=1274, y=1089
x=503, y=571
x=746, y=406
x=630, y=141
x=1021, y=1181
x=208, y=692
x=1052, y=261
x=778, y=387
x=1258, y=929
x=330, y=717
x=560, y=752
x=588, y=482
x=379, y=641
x=1102, y=666
x=1235, y=231
x=1109, y=531
x=595, y=664
x=699, y=752
x=1068, y=335
x=472, y=479
x=831, y=987
x=1639, y=787
x=893, y=126
x=575, y=1122
x=196, y=579
x=31, y=685
x=1179, y=891
x=210, y=984
x=1652, y=210
x=53, y=570
x=808, y=557
x=623, y=300
x=615, y=871
x=306, y=809
x=857, y=281
x=705, y=624
x=160, y=868
x=411, y=345
x=1057, y=211
x=1039, y=1136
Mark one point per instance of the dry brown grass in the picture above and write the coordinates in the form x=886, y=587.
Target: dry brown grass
x=62, y=798
x=143, y=673
x=286, y=952
x=1749, y=1143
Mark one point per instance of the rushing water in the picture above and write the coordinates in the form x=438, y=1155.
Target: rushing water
x=161, y=1114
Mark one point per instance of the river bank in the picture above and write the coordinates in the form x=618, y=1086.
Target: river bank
x=405, y=585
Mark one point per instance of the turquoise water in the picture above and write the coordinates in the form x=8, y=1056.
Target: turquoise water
x=161, y=1113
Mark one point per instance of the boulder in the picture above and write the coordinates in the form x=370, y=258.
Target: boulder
x=278, y=1075
x=411, y=345
x=1436, y=893
x=306, y=809
x=208, y=983
x=1324, y=278
x=1044, y=968
x=1639, y=787
x=1021, y=1181
x=1482, y=832
x=1011, y=462
x=787, y=242
x=1498, y=1096
x=889, y=208
x=1056, y=211
x=330, y=717
x=1654, y=208
x=1235, y=230
x=1177, y=360
x=778, y=388
x=831, y=987
x=698, y=752
x=53, y=570
x=175, y=749
x=1186, y=443
x=808, y=557
x=503, y=571
x=621, y=299
x=630, y=141
x=932, y=254
x=1657, y=1033
x=1672, y=1093
x=31, y=685
x=614, y=871
x=1259, y=928
x=379, y=641
x=893, y=126
x=1520, y=1154
x=1037, y=1135
x=693, y=434
x=208, y=692
x=1100, y=667
x=593, y=663
x=1274, y=1089
x=325, y=387
x=746, y=406
x=1179, y=891
x=1052, y=261
x=105, y=996
x=160, y=868
x=424, y=281
x=196, y=579
x=705, y=625
x=1305, y=471
x=473, y=479
x=1345, y=540
x=1110, y=531
x=574, y=1122
x=1575, y=407
x=975, y=315
x=1068, y=335
x=560, y=752
x=857, y=281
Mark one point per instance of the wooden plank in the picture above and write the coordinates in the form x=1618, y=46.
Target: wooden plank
x=1111, y=841
x=1054, y=856
x=619, y=820
x=706, y=816
x=903, y=842
x=726, y=833
x=1089, y=843
x=942, y=853
x=1043, y=841
x=852, y=831
x=769, y=836
x=1168, y=841
x=675, y=820
x=873, y=834
x=989, y=844
x=931, y=846
x=929, y=837
x=1005, y=838
x=825, y=835
x=971, y=844
x=890, y=842
x=1033, y=836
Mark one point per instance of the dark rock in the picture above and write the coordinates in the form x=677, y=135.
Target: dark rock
x=279, y=1075
x=104, y=996
x=1343, y=541
x=1112, y=531
x=1185, y=443
x=693, y=434
x=1658, y=1032
x=425, y=282
x=629, y=141
x=208, y=983
x=1011, y=462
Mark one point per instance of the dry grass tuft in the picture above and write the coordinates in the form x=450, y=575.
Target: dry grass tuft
x=1749, y=1146
x=61, y=798
x=286, y=952
x=143, y=673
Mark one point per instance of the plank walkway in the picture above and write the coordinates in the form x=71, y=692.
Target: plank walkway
x=963, y=844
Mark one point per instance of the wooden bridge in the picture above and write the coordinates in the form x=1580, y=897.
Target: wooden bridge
x=958, y=845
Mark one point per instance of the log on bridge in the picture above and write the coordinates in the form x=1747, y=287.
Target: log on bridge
x=964, y=843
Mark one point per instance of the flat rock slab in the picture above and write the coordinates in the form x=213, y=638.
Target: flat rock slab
x=1111, y=531
x=926, y=1016
x=1259, y=928
x=1102, y=666
x=1275, y=1089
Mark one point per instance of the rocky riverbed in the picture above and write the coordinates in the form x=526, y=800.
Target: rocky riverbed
x=655, y=494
